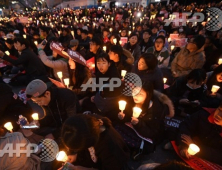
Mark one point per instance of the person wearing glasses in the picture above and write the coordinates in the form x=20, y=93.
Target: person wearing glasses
x=160, y=51
x=57, y=103
x=190, y=57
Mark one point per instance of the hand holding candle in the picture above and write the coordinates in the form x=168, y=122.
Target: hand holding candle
x=136, y=112
x=220, y=61
x=164, y=80
x=123, y=73
x=35, y=116
x=215, y=89
x=61, y=156
x=8, y=126
x=193, y=149
x=66, y=81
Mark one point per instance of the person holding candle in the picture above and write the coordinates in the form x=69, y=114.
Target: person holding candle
x=55, y=62
x=150, y=122
x=190, y=57
x=133, y=46
x=58, y=104
x=148, y=71
x=94, y=143
x=203, y=128
x=161, y=52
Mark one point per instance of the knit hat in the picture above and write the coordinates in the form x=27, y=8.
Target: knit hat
x=73, y=43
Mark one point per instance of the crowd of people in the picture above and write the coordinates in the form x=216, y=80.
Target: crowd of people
x=179, y=67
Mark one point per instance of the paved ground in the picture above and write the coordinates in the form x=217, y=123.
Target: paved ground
x=159, y=156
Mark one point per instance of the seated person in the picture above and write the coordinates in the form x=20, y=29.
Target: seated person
x=214, y=78
x=160, y=51
x=94, y=143
x=148, y=70
x=121, y=58
x=58, y=104
x=190, y=57
x=203, y=128
x=150, y=123
x=16, y=162
x=188, y=93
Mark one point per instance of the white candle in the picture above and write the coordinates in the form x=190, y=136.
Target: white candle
x=220, y=61
x=59, y=74
x=120, y=42
x=66, y=81
x=61, y=156
x=24, y=36
x=35, y=116
x=122, y=105
x=215, y=88
x=193, y=149
x=104, y=48
x=136, y=112
x=123, y=73
x=110, y=29
x=7, y=53
x=169, y=39
x=164, y=80
x=172, y=47
x=115, y=41
x=36, y=43
x=59, y=32
x=129, y=32
x=72, y=32
x=8, y=126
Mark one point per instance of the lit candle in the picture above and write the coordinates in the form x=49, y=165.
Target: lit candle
x=72, y=32
x=122, y=105
x=172, y=47
x=104, y=48
x=110, y=29
x=164, y=80
x=35, y=116
x=5, y=38
x=61, y=156
x=169, y=39
x=66, y=81
x=120, y=42
x=59, y=74
x=193, y=149
x=220, y=61
x=129, y=32
x=215, y=88
x=112, y=18
x=24, y=36
x=115, y=41
x=59, y=32
x=123, y=73
x=8, y=126
x=136, y=112
x=36, y=43
x=7, y=53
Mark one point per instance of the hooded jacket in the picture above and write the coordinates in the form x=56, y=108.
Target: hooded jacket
x=185, y=61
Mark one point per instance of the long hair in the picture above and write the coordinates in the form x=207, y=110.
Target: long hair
x=80, y=132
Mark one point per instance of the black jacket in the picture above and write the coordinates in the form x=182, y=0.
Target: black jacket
x=206, y=134
x=63, y=104
x=144, y=46
x=84, y=43
x=30, y=61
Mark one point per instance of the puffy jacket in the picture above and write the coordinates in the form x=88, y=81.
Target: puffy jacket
x=185, y=61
